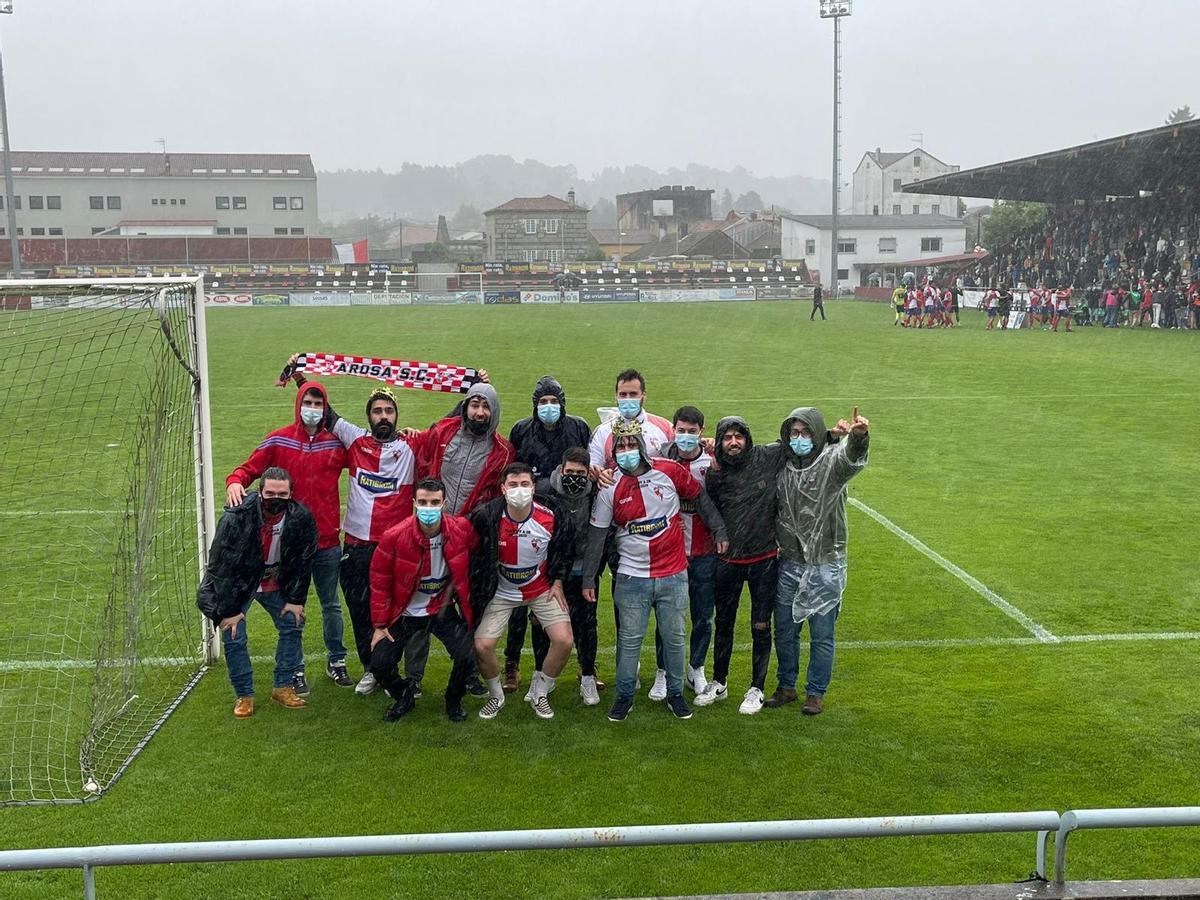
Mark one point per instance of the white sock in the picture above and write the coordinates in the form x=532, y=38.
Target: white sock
x=494, y=688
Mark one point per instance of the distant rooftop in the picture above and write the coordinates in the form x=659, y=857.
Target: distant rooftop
x=547, y=203
x=159, y=165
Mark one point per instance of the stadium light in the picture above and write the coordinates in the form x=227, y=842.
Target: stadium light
x=835, y=9
x=6, y=6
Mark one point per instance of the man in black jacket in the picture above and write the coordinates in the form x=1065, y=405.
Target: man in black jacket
x=540, y=440
x=742, y=485
x=526, y=548
x=263, y=550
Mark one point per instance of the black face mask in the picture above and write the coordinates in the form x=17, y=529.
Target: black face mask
x=477, y=428
x=383, y=430
x=574, y=484
x=273, y=506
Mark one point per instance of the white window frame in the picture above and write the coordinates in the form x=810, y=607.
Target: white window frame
x=550, y=226
x=532, y=255
x=295, y=203
x=887, y=249
x=553, y=256
x=896, y=209
x=531, y=225
x=810, y=247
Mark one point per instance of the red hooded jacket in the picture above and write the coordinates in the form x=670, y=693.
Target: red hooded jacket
x=397, y=562
x=315, y=464
x=430, y=446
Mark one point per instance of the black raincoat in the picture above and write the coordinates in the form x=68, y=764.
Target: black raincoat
x=540, y=446
x=743, y=488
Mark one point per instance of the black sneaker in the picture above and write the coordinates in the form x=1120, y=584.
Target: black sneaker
x=678, y=706
x=400, y=708
x=455, y=712
x=337, y=671
x=476, y=687
x=300, y=684
x=620, y=709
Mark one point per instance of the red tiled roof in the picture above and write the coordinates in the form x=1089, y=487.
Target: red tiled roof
x=548, y=203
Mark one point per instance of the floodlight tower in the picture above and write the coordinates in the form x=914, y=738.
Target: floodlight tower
x=7, y=7
x=835, y=9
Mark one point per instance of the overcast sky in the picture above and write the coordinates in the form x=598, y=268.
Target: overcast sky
x=375, y=83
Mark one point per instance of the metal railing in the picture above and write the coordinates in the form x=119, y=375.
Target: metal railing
x=1043, y=824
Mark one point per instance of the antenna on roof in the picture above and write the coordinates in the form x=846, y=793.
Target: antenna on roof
x=919, y=137
x=162, y=143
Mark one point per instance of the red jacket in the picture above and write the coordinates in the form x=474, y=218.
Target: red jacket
x=315, y=464
x=399, y=558
x=430, y=446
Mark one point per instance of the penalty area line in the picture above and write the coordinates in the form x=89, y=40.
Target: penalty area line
x=1038, y=631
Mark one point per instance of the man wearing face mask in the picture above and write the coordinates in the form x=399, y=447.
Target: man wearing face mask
x=540, y=440
x=420, y=584
x=466, y=453
x=742, y=485
x=314, y=458
x=812, y=532
x=631, y=398
x=526, y=548
x=643, y=504
x=703, y=538
x=263, y=550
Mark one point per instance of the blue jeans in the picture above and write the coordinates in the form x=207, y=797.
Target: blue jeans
x=702, y=600
x=803, y=587
x=634, y=597
x=1110, y=317
x=326, y=565
x=289, y=649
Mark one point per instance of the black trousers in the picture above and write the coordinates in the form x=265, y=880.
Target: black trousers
x=762, y=577
x=355, y=576
x=514, y=642
x=449, y=628
x=817, y=305
x=583, y=625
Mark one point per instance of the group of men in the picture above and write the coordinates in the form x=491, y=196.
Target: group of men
x=926, y=307
x=455, y=532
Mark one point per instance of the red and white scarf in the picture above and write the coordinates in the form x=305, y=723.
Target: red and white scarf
x=421, y=376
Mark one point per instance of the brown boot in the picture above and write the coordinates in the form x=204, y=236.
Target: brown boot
x=813, y=705
x=512, y=678
x=243, y=708
x=780, y=697
x=287, y=698
x=600, y=685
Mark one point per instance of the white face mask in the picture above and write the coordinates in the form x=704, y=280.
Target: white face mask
x=519, y=497
x=311, y=416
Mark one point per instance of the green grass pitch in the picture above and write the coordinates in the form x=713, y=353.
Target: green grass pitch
x=1059, y=471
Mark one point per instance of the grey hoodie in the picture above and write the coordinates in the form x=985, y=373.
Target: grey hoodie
x=810, y=524
x=466, y=453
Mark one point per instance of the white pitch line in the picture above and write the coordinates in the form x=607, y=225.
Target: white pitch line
x=930, y=643
x=1038, y=631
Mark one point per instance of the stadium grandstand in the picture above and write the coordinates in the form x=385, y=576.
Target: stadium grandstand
x=1121, y=210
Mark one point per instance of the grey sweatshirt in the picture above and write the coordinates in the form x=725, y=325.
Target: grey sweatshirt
x=466, y=453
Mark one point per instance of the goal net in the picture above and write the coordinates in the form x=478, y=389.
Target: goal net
x=437, y=287
x=102, y=482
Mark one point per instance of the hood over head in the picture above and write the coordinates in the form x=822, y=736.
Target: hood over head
x=810, y=416
x=548, y=386
x=622, y=428
x=488, y=393
x=310, y=387
x=739, y=424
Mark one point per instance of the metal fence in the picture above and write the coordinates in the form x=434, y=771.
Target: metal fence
x=1043, y=824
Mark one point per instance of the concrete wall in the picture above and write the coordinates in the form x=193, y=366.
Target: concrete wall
x=509, y=242
x=867, y=254
x=875, y=187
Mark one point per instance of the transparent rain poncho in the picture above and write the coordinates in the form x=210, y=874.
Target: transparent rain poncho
x=811, y=523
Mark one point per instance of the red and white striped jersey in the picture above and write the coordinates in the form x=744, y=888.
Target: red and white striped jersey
x=697, y=539
x=657, y=431
x=432, y=581
x=523, y=550
x=645, y=509
x=381, y=482
x=269, y=534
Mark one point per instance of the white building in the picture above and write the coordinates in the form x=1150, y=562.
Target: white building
x=880, y=176
x=867, y=243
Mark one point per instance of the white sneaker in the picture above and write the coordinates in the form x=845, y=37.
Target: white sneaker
x=752, y=702
x=713, y=691
x=537, y=676
x=696, y=680
x=492, y=708
x=366, y=685
x=659, y=689
x=587, y=690
x=541, y=706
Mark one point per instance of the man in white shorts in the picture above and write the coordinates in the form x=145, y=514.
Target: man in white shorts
x=526, y=550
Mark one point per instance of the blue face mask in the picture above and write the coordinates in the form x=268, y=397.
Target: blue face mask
x=549, y=413
x=687, y=442
x=429, y=515
x=801, y=446
x=629, y=459
x=629, y=408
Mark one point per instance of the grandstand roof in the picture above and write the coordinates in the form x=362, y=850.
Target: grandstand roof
x=1151, y=160
x=158, y=165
